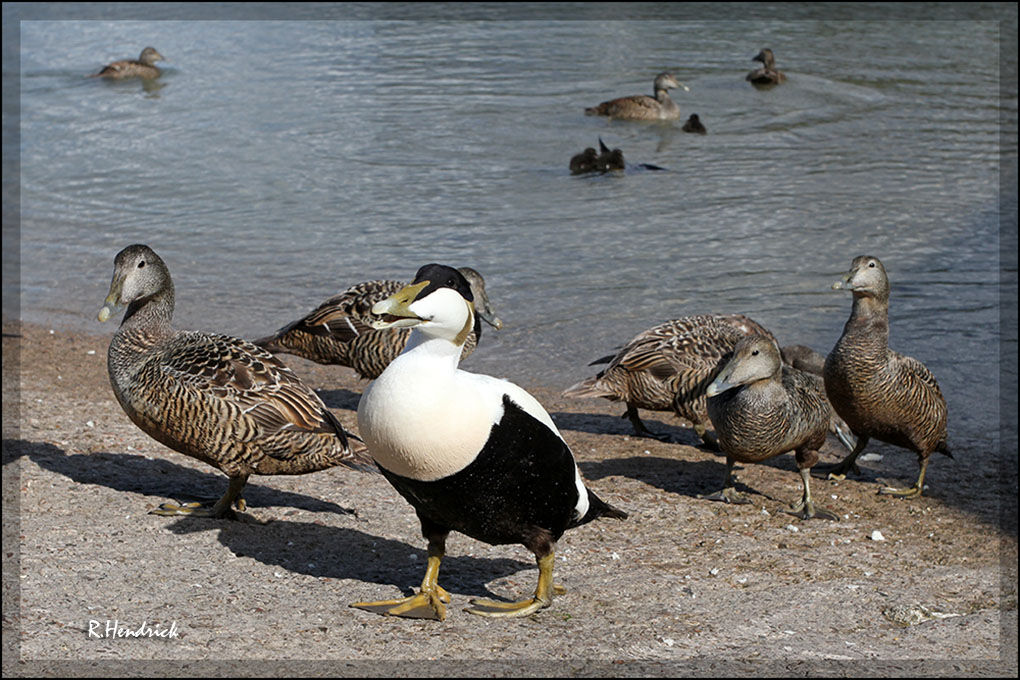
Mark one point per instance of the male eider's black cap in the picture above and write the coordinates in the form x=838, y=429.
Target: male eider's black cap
x=441, y=276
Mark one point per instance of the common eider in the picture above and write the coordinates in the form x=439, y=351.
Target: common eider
x=880, y=393
x=760, y=409
x=143, y=67
x=768, y=74
x=694, y=125
x=339, y=331
x=667, y=367
x=641, y=106
x=469, y=452
x=213, y=397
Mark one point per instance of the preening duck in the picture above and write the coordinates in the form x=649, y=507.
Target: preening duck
x=768, y=74
x=469, y=452
x=213, y=397
x=761, y=408
x=143, y=67
x=339, y=331
x=641, y=106
x=605, y=160
x=878, y=392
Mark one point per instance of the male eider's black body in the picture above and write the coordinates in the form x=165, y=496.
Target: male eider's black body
x=469, y=452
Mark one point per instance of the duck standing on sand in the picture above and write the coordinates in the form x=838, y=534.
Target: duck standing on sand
x=143, y=67
x=878, y=392
x=212, y=397
x=469, y=452
x=760, y=409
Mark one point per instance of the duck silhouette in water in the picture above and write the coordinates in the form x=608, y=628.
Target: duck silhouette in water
x=605, y=160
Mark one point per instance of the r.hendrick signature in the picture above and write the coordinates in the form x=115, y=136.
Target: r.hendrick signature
x=116, y=629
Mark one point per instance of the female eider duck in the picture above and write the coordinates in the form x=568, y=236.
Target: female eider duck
x=760, y=409
x=143, y=67
x=641, y=106
x=667, y=367
x=469, y=452
x=339, y=331
x=768, y=74
x=216, y=398
x=878, y=392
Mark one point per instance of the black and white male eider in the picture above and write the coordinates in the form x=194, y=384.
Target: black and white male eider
x=471, y=453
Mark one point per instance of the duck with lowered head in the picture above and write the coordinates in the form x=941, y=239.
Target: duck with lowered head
x=768, y=74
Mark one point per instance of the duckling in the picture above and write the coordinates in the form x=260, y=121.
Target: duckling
x=585, y=162
x=768, y=74
x=667, y=367
x=694, y=125
x=641, y=106
x=213, y=397
x=610, y=161
x=760, y=409
x=878, y=392
x=469, y=452
x=339, y=331
x=143, y=67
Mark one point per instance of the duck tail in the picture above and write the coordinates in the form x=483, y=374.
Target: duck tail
x=943, y=448
x=591, y=387
x=599, y=508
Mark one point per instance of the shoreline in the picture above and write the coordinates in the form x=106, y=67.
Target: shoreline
x=683, y=585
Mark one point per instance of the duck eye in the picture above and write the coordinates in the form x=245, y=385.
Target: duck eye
x=754, y=353
x=871, y=264
x=141, y=264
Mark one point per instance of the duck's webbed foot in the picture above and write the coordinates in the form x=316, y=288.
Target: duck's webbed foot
x=427, y=603
x=808, y=510
x=728, y=495
x=542, y=598
x=220, y=509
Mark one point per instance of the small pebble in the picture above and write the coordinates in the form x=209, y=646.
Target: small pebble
x=876, y=535
x=790, y=527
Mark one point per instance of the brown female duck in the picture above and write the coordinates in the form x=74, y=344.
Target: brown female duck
x=339, y=331
x=216, y=398
x=768, y=74
x=143, y=67
x=760, y=409
x=641, y=106
x=667, y=367
x=878, y=392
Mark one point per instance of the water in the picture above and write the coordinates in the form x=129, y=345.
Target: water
x=276, y=162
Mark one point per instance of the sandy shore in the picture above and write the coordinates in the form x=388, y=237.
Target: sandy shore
x=683, y=587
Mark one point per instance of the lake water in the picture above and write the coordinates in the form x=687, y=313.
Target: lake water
x=276, y=162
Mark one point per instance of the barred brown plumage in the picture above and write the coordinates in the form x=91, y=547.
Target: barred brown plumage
x=667, y=367
x=213, y=397
x=761, y=408
x=143, y=67
x=878, y=392
x=339, y=331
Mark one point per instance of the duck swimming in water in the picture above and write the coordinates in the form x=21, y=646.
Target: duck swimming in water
x=694, y=125
x=469, y=452
x=768, y=74
x=880, y=393
x=641, y=106
x=143, y=67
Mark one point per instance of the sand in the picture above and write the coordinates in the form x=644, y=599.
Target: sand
x=683, y=587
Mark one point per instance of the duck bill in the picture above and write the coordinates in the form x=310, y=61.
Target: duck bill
x=395, y=311
x=720, y=384
x=111, y=303
x=844, y=283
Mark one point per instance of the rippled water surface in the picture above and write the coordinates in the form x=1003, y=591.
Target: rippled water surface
x=276, y=162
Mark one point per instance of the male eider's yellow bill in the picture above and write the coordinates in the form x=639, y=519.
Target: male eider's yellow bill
x=394, y=308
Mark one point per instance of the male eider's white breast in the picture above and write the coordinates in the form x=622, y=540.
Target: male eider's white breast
x=426, y=425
